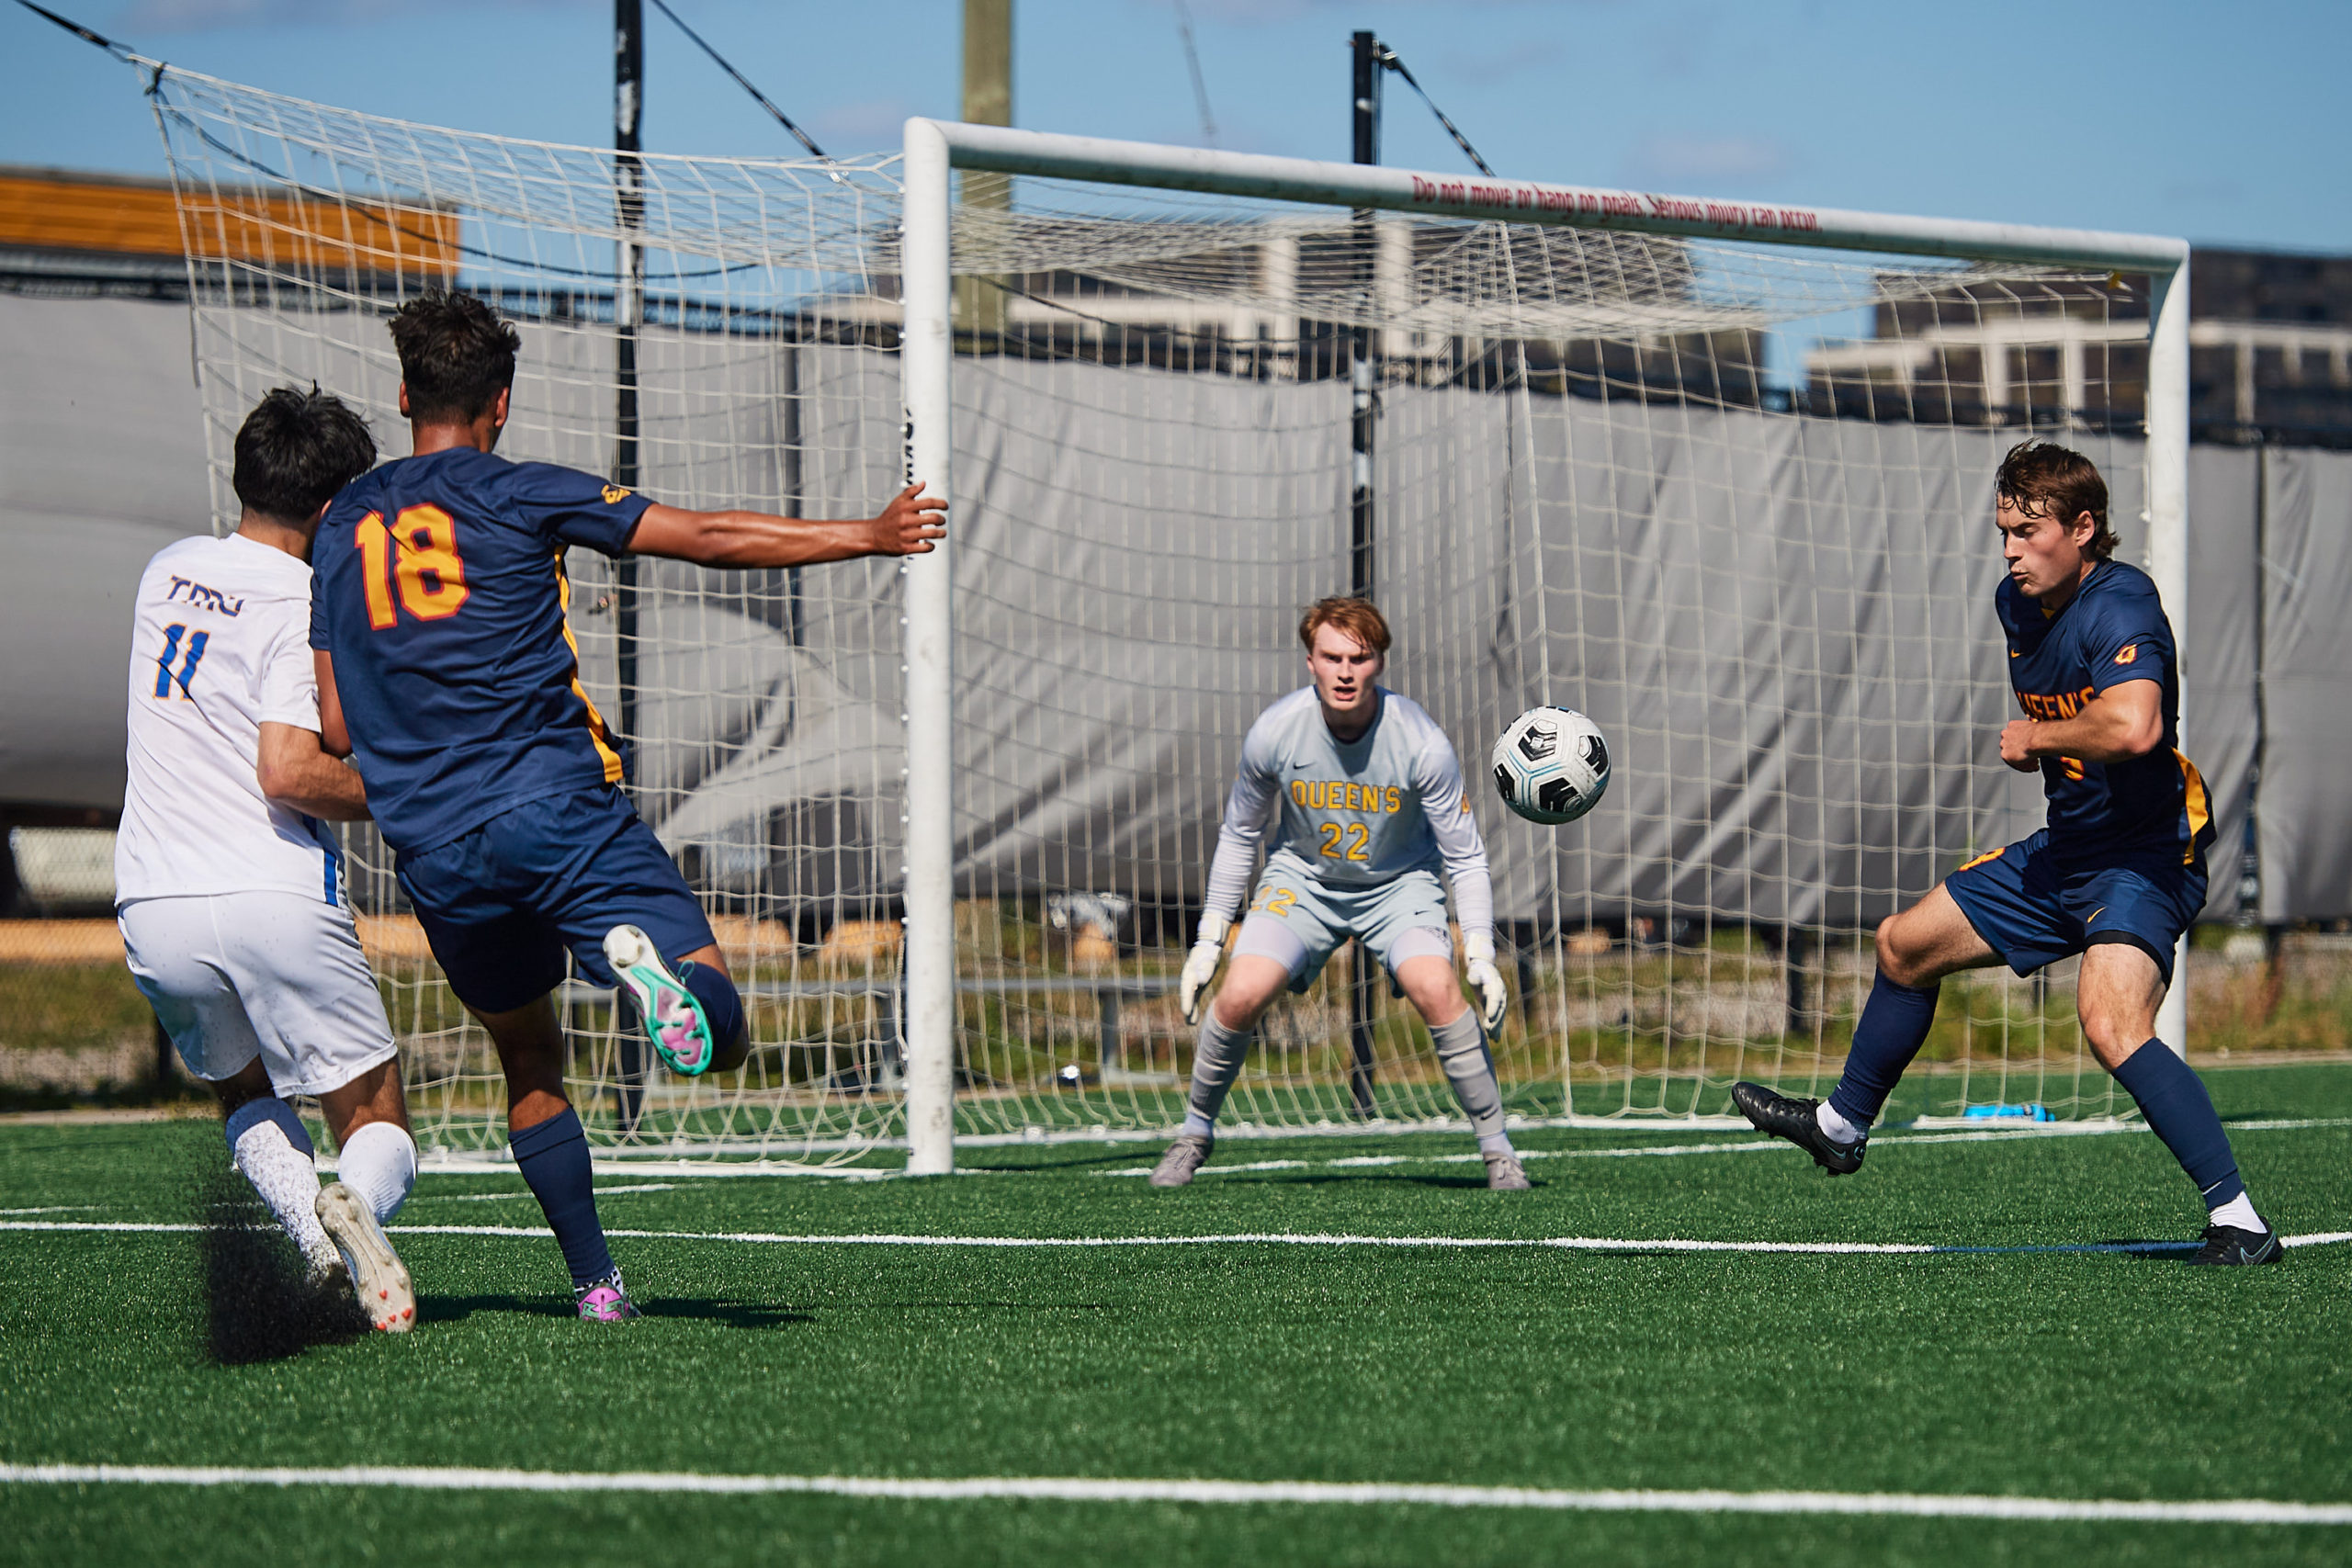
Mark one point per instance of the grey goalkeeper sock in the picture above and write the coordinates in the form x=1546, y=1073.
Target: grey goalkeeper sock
x=1217, y=1062
x=1461, y=1050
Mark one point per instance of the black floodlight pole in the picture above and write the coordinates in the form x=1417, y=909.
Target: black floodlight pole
x=628, y=302
x=628, y=298
x=1368, y=56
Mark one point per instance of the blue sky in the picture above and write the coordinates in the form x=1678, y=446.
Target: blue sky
x=2225, y=124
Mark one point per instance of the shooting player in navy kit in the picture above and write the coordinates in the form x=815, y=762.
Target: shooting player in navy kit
x=439, y=622
x=2117, y=875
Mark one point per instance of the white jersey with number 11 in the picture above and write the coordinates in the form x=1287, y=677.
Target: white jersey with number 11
x=220, y=644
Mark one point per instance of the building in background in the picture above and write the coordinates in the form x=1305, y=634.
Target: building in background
x=2270, y=354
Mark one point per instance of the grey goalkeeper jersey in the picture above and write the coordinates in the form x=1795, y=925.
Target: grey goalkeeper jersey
x=1351, y=815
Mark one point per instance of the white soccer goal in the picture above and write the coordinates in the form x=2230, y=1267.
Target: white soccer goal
x=1717, y=474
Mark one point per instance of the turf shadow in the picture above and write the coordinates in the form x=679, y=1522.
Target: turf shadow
x=1353, y=1181
x=456, y=1309
x=259, y=1304
x=734, y=1313
x=2150, y=1250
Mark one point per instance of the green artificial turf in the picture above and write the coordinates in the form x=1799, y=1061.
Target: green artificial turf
x=2045, y=1374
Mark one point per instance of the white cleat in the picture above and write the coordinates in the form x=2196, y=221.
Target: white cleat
x=1505, y=1174
x=378, y=1279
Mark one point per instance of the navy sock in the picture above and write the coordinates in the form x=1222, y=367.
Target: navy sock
x=1893, y=1026
x=553, y=1159
x=722, y=1006
x=2173, y=1100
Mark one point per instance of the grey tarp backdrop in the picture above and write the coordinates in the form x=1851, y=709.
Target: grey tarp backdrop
x=1784, y=624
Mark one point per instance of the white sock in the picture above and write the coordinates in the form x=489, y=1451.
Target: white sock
x=379, y=1164
x=1198, y=1126
x=2238, y=1212
x=275, y=1153
x=1496, y=1144
x=1840, y=1130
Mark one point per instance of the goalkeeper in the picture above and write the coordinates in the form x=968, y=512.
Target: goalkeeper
x=1366, y=798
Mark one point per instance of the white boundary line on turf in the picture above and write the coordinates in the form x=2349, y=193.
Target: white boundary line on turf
x=621, y=1162
x=1749, y=1146
x=515, y=1197
x=1075, y=1489
x=1244, y=1238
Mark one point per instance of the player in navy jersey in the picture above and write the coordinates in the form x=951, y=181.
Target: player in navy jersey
x=447, y=665
x=2118, y=875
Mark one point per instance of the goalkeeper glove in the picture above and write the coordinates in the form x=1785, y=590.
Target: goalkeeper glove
x=1485, y=978
x=1201, y=963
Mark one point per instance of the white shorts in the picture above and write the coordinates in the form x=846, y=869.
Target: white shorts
x=278, y=976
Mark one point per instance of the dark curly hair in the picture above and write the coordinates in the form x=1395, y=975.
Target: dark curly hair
x=456, y=356
x=295, y=450
x=2044, y=480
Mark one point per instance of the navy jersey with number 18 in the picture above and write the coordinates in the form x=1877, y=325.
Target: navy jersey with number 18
x=439, y=589
x=2112, y=631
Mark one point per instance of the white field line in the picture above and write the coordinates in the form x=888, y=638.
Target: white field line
x=621, y=1162
x=633, y=1165
x=656, y=1162
x=515, y=1197
x=1756, y=1145
x=1073, y=1489
x=1239, y=1239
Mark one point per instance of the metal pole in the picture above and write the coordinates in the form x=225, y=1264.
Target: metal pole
x=629, y=295
x=1362, y=998
x=1158, y=167
x=926, y=358
x=629, y=300
x=2169, y=543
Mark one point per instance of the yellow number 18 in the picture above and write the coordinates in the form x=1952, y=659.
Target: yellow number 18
x=419, y=554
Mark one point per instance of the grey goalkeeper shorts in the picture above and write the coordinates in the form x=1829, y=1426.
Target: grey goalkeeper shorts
x=1299, y=922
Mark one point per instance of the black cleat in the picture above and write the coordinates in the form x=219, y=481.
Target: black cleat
x=2228, y=1247
x=1785, y=1116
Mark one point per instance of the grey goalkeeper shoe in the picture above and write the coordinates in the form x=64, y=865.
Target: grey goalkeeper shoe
x=1186, y=1154
x=1505, y=1174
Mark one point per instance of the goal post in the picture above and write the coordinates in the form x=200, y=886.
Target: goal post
x=1716, y=474
x=935, y=148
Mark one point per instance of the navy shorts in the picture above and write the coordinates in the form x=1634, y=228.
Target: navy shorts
x=501, y=903
x=2034, y=905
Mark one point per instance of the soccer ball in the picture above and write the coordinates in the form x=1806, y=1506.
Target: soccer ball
x=1551, y=765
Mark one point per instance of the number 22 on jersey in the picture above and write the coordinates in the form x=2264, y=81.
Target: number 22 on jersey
x=1344, y=840
x=417, y=556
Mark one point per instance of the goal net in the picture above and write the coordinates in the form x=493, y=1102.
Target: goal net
x=1730, y=497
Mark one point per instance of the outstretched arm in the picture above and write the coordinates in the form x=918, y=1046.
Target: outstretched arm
x=1438, y=776
x=1237, y=839
x=906, y=527
x=2116, y=726
x=1236, y=848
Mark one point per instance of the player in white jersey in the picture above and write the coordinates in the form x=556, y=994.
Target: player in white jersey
x=228, y=889
x=1363, y=794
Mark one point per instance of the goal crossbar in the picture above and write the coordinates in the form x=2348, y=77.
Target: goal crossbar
x=935, y=148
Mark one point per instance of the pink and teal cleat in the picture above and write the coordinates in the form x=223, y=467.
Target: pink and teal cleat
x=671, y=1017
x=604, y=1300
